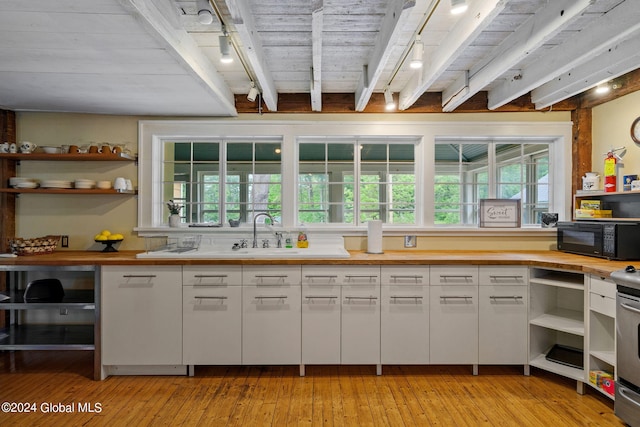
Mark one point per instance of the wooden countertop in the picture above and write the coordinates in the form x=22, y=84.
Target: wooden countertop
x=549, y=259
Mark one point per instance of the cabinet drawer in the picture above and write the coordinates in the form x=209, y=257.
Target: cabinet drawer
x=405, y=275
x=352, y=275
x=602, y=304
x=270, y=275
x=454, y=275
x=602, y=286
x=503, y=275
x=214, y=276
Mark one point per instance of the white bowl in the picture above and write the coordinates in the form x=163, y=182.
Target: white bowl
x=15, y=180
x=51, y=150
x=104, y=185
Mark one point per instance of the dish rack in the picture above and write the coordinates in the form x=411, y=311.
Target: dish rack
x=176, y=244
x=36, y=246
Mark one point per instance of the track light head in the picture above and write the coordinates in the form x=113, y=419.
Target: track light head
x=253, y=92
x=459, y=6
x=390, y=104
x=418, y=48
x=225, y=56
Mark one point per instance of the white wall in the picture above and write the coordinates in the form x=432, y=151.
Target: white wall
x=81, y=217
x=611, y=129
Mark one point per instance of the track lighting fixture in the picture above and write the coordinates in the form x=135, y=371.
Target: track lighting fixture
x=418, y=48
x=205, y=17
x=459, y=6
x=253, y=92
x=388, y=99
x=225, y=56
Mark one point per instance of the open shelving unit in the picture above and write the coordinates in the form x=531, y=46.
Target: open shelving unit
x=625, y=205
x=556, y=317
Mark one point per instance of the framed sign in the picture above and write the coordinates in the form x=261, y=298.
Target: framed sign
x=500, y=213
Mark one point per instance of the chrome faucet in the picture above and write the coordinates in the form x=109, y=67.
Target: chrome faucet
x=273, y=221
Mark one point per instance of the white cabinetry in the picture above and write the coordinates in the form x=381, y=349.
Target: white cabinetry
x=453, y=325
x=212, y=313
x=321, y=293
x=405, y=315
x=141, y=315
x=503, y=304
x=602, y=326
x=556, y=318
x=271, y=322
x=360, y=341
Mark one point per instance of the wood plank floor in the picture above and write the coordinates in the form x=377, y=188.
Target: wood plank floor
x=277, y=396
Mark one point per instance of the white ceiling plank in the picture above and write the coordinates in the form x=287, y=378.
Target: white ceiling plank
x=182, y=47
x=468, y=28
x=535, y=32
x=392, y=24
x=620, y=23
x=246, y=28
x=613, y=63
x=317, y=18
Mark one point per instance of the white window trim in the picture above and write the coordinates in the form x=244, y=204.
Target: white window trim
x=151, y=133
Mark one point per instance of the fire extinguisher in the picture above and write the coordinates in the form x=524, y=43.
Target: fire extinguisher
x=611, y=170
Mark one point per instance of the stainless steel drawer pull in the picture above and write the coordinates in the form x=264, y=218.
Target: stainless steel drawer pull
x=629, y=395
x=321, y=297
x=456, y=297
x=497, y=297
x=414, y=277
x=506, y=277
x=210, y=276
x=273, y=276
x=366, y=276
x=318, y=276
x=360, y=298
x=460, y=276
x=201, y=298
x=272, y=297
x=416, y=298
x=139, y=276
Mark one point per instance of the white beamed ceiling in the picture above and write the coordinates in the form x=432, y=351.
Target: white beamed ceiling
x=153, y=57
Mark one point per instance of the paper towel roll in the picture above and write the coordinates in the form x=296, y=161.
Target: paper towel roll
x=374, y=237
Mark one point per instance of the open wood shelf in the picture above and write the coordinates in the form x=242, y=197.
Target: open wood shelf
x=73, y=157
x=66, y=191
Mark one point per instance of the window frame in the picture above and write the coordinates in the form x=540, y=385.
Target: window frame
x=153, y=132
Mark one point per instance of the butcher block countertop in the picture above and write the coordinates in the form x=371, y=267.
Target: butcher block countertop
x=548, y=259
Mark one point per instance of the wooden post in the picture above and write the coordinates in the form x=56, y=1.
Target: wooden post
x=581, y=146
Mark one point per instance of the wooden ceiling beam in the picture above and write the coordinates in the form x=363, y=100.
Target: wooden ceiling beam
x=397, y=14
x=243, y=22
x=468, y=28
x=429, y=102
x=535, y=32
x=613, y=27
x=317, y=21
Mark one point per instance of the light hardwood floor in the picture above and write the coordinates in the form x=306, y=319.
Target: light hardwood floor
x=277, y=396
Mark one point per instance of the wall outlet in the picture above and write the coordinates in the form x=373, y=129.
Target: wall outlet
x=410, y=241
x=65, y=242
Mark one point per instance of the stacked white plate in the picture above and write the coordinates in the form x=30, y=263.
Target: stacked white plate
x=19, y=182
x=84, y=184
x=56, y=183
x=26, y=184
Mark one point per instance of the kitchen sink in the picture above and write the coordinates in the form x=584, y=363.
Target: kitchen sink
x=223, y=248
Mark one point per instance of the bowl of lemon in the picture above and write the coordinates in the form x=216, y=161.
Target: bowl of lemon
x=108, y=238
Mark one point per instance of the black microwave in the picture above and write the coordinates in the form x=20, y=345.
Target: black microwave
x=604, y=239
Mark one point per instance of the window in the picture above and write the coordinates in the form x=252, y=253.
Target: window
x=473, y=169
x=246, y=182
x=384, y=170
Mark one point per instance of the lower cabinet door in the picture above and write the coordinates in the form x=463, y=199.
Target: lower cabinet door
x=321, y=324
x=271, y=325
x=503, y=325
x=405, y=324
x=212, y=332
x=141, y=315
x=453, y=326
x=360, y=341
